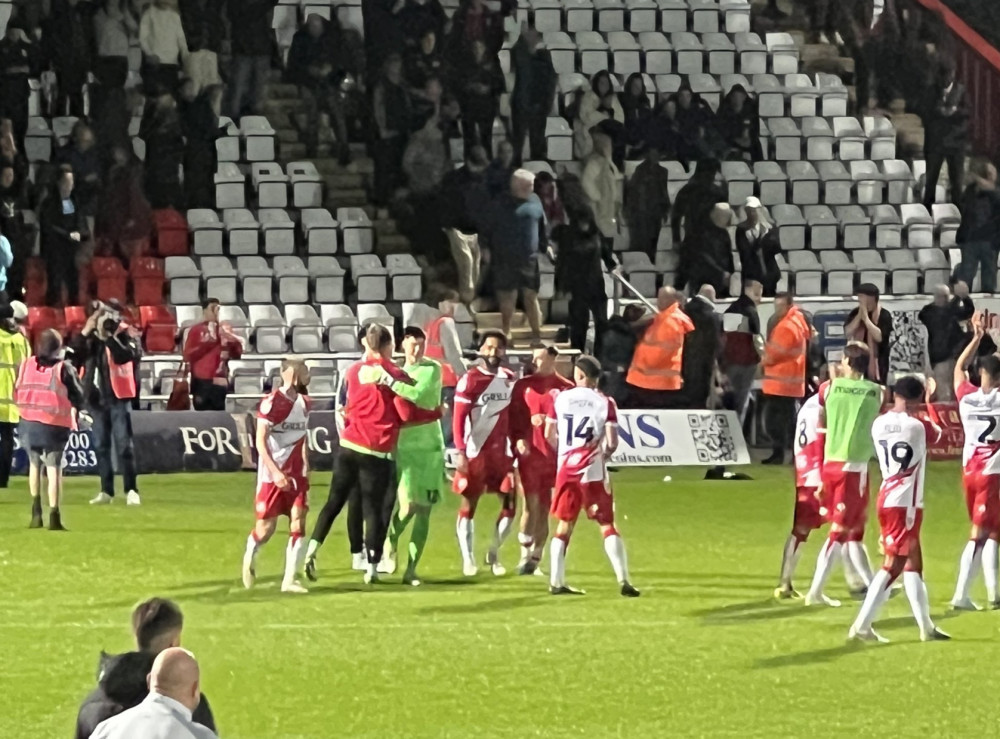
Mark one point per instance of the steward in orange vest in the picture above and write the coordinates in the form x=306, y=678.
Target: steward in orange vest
x=656, y=362
x=784, y=367
x=434, y=349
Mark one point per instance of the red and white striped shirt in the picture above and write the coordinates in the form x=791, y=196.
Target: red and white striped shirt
x=288, y=420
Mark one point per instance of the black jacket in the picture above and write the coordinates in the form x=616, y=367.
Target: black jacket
x=250, y=25
x=693, y=206
x=702, y=348
x=980, y=216
x=946, y=118
x=581, y=250
x=122, y=685
x=536, y=78
x=307, y=51
x=57, y=226
x=465, y=201
x=89, y=353
x=944, y=334
x=758, y=258
x=705, y=258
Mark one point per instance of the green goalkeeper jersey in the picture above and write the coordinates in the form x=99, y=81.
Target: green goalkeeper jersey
x=425, y=392
x=851, y=408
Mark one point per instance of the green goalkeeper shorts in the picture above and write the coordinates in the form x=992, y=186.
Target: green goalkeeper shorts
x=420, y=475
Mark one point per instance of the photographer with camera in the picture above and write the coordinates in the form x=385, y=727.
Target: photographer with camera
x=108, y=350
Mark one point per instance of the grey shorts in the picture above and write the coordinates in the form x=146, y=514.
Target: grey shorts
x=44, y=443
x=45, y=457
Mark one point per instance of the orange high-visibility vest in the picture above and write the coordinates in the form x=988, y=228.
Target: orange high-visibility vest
x=434, y=350
x=122, y=378
x=656, y=363
x=41, y=395
x=784, y=360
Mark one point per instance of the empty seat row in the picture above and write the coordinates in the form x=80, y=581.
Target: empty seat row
x=272, y=232
x=703, y=16
x=271, y=184
x=818, y=227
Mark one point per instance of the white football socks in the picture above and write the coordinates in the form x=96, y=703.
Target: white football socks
x=465, y=530
x=252, y=545
x=916, y=593
x=790, y=560
x=557, y=562
x=527, y=544
x=967, y=571
x=502, y=531
x=824, y=564
x=859, y=558
x=614, y=546
x=878, y=593
x=990, y=566
x=293, y=559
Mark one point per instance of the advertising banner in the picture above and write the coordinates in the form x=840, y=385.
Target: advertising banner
x=189, y=441
x=669, y=438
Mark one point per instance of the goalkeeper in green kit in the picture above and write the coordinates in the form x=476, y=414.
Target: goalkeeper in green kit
x=419, y=457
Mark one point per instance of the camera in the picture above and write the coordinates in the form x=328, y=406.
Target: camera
x=112, y=315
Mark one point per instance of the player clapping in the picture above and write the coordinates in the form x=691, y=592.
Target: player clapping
x=583, y=425
x=282, y=473
x=901, y=449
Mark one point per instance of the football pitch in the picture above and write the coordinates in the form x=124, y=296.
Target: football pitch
x=705, y=651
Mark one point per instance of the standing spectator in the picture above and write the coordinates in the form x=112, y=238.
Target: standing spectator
x=123, y=213
x=252, y=40
x=63, y=228
x=702, y=349
x=695, y=201
x=744, y=345
x=174, y=694
x=824, y=20
x=871, y=324
x=425, y=61
x=602, y=182
x=69, y=38
x=391, y=105
x=758, y=247
x=383, y=36
x=978, y=236
x=13, y=201
x=203, y=31
x=18, y=63
x=534, y=89
x=161, y=130
x=465, y=204
x=617, y=347
x=479, y=86
x=315, y=64
x=201, y=130
x=472, y=22
x=208, y=348
x=739, y=126
x=706, y=255
x=11, y=156
x=598, y=105
x=784, y=365
x=517, y=230
x=164, y=46
x=115, y=27
x=499, y=171
x=418, y=16
x=426, y=160
x=547, y=191
x=582, y=251
x=14, y=349
x=647, y=203
x=655, y=376
x=945, y=340
x=82, y=157
x=946, y=131
x=108, y=351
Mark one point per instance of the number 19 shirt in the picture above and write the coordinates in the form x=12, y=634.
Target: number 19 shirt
x=901, y=449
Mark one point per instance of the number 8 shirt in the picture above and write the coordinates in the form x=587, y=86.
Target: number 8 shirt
x=980, y=413
x=901, y=449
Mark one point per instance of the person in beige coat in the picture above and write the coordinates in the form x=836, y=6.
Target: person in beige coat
x=602, y=182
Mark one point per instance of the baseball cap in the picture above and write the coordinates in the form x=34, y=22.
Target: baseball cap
x=752, y=202
x=20, y=310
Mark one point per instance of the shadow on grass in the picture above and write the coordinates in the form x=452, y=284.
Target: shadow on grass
x=816, y=656
x=485, y=606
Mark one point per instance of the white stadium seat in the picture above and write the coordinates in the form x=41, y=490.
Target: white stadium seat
x=206, y=232
x=328, y=280
x=406, y=277
x=220, y=278
x=230, y=186
x=320, y=231
x=243, y=232
x=356, y=230
x=271, y=184
x=369, y=276
x=307, y=185
x=293, y=280
x=257, y=280
x=278, y=230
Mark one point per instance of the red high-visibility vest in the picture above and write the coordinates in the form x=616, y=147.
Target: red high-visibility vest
x=41, y=395
x=122, y=378
x=434, y=350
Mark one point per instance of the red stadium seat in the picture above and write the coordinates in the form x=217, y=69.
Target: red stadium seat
x=76, y=317
x=170, y=232
x=41, y=319
x=111, y=278
x=147, y=280
x=159, y=328
x=35, y=281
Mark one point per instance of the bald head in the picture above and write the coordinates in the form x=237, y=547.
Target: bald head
x=666, y=297
x=707, y=292
x=942, y=294
x=175, y=674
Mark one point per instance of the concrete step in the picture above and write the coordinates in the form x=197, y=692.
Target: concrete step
x=392, y=244
x=276, y=107
x=811, y=52
x=344, y=181
x=386, y=227
x=287, y=135
x=522, y=334
x=489, y=320
x=280, y=91
x=346, y=198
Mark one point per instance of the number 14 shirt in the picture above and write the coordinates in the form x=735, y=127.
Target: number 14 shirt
x=581, y=415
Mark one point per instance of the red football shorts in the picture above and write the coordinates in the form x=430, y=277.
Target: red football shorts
x=847, y=493
x=574, y=495
x=982, y=495
x=810, y=513
x=897, y=540
x=488, y=473
x=538, y=475
x=271, y=502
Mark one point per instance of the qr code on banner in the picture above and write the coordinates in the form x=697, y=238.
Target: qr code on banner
x=713, y=440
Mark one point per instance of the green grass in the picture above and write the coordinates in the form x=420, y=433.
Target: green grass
x=704, y=652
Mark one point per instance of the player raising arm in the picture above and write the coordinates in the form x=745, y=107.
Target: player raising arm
x=583, y=425
x=282, y=473
x=979, y=410
x=901, y=449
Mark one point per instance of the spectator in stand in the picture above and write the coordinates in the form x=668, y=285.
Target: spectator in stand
x=208, y=348
x=161, y=130
x=696, y=123
x=647, y=203
x=744, y=345
x=515, y=237
x=637, y=111
x=18, y=63
x=465, y=204
x=123, y=213
x=164, y=46
x=499, y=171
x=534, y=89
x=203, y=31
x=251, y=40
x=945, y=339
x=693, y=205
x=82, y=157
x=427, y=102
x=825, y=21
x=391, y=106
x=702, y=350
x=68, y=36
x=11, y=156
x=201, y=130
x=14, y=349
x=418, y=16
x=63, y=228
x=946, y=132
x=598, y=105
x=602, y=182
x=978, y=236
x=758, y=247
x=871, y=324
x=739, y=126
x=116, y=26
x=472, y=22
x=426, y=160
x=617, y=348
x=107, y=351
x=383, y=35
x=425, y=61
x=547, y=191
x=784, y=365
x=315, y=64
x=13, y=202
x=706, y=255
x=479, y=84
x=581, y=252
